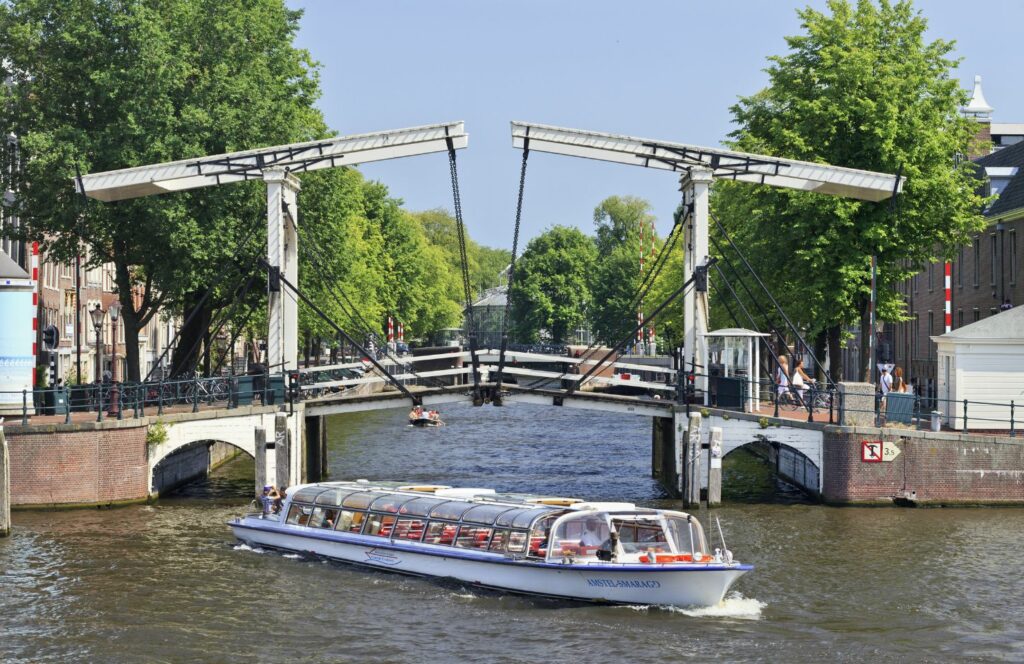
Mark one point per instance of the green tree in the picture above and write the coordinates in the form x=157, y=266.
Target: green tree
x=103, y=86
x=616, y=276
x=551, y=292
x=859, y=88
x=485, y=264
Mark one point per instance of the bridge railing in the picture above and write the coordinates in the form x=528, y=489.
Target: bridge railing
x=133, y=400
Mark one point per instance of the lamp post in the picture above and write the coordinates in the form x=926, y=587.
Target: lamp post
x=115, y=401
x=97, y=315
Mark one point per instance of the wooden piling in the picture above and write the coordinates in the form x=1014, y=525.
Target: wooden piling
x=691, y=494
x=5, y=486
x=261, y=459
x=715, y=467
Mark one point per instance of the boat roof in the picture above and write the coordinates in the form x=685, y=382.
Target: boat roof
x=445, y=502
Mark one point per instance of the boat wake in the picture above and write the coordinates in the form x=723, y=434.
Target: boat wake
x=242, y=546
x=734, y=605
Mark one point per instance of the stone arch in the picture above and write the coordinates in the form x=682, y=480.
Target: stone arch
x=798, y=443
x=790, y=463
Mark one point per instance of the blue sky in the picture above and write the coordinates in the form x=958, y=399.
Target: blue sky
x=665, y=70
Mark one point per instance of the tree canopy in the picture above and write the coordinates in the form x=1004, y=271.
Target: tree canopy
x=861, y=88
x=551, y=291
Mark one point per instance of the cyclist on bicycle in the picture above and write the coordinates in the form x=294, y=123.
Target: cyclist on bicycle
x=800, y=379
x=782, y=375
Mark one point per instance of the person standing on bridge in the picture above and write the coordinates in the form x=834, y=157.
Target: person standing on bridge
x=782, y=375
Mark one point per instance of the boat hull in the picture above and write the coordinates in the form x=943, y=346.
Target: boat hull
x=672, y=584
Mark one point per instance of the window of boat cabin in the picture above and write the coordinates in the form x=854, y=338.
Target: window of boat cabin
x=499, y=540
x=505, y=519
x=308, y=494
x=473, y=537
x=485, y=514
x=323, y=517
x=439, y=532
x=358, y=501
x=687, y=535
x=409, y=529
x=298, y=515
x=333, y=497
x=350, y=521
x=646, y=535
x=420, y=506
x=540, y=533
x=389, y=503
x=517, y=541
x=565, y=539
x=379, y=525
x=451, y=510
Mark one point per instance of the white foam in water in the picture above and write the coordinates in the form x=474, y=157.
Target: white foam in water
x=734, y=605
x=293, y=556
x=245, y=547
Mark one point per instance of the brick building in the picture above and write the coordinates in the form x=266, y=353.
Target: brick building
x=985, y=275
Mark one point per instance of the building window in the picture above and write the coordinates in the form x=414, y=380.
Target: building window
x=913, y=281
x=931, y=277
x=1013, y=257
x=992, y=246
x=993, y=311
x=931, y=324
x=977, y=314
x=959, y=268
x=959, y=317
x=977, y=261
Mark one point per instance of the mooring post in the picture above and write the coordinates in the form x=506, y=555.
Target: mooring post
x=691, y=494
x=715, y=467
x=5, y=486
x=261, y=459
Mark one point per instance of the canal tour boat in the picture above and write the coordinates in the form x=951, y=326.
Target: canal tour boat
x=555, y=547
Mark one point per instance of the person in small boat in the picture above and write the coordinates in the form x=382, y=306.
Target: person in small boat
x=279, y=501
x=416, y=413
x=267, y=499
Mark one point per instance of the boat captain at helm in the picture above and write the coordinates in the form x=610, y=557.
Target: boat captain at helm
x=595, y=535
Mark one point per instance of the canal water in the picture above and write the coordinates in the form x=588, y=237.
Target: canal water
x=167, y=583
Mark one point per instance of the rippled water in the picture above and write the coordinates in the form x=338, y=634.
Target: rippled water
x=167, y=583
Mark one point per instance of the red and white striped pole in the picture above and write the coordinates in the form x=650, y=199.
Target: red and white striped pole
x=35, y=309
x=391, y=330
x=401, y=331
x=949, y=296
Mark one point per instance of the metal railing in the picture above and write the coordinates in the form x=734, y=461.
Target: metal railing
x=133, y=400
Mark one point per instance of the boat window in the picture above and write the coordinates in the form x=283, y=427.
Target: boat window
x=350, y=521
x=499, y=540
x=452, y=510
x=644, y=537
x=389, y=503
x=580, y=537
x=359, y=501
x=409, y=529
x=323, y=517
x=420, y=506
x=539, y=535
x=439, y=532
x=379, y=525
x=332, y=496
x=473, y=537
x=308, y=494
x=526, y=518
x=505, y=519
x=485, y=514
x=298, y=515
x=679, y=530
x=517, y=541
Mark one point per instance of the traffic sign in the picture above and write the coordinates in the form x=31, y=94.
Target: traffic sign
x=871, y=451
x=889, y=451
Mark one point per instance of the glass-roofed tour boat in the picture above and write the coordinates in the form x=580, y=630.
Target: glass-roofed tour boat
x=555, y=547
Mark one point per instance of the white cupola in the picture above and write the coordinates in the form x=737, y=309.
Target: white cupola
x=978, y=108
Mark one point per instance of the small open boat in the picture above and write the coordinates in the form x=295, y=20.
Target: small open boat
x=425, y=422
x=554, y=547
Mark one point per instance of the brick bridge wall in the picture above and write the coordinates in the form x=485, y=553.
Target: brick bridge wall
x=932, y=468
x=87, y=466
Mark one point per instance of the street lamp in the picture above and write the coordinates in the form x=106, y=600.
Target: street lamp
x=115, y=401
x=97, y=324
